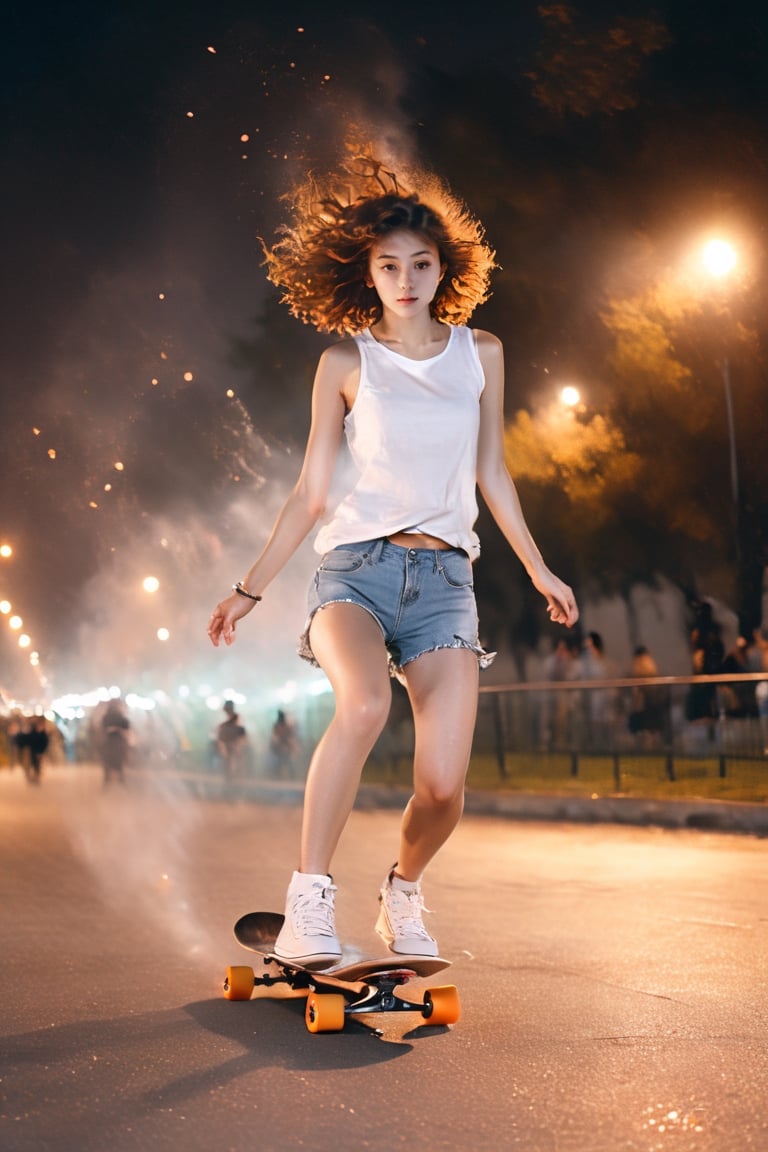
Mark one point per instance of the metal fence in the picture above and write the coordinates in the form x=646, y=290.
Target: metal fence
x=674, y=717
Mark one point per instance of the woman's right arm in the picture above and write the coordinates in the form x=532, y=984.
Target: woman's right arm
x=306, y=503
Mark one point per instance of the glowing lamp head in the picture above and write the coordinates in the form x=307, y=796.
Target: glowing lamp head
x=569, y=396
x=719, y=257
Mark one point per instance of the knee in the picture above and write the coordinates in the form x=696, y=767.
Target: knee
x=441, y=796
x=364, y=712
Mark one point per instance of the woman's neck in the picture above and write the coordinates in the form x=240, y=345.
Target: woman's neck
x=412, y=336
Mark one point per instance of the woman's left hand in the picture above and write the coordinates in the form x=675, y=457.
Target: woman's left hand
x=561, y=602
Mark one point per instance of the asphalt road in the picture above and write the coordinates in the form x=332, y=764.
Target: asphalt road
x=614, y=985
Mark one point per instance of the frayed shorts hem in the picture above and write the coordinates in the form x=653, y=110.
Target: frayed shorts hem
x=304, y=649
x=422, y=599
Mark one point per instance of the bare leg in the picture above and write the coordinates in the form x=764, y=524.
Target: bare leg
x=348, y=646
x=442, y=687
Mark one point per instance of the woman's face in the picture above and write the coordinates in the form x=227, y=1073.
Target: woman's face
x=404, y=268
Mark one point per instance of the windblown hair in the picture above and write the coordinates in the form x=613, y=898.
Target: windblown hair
x=321, y=259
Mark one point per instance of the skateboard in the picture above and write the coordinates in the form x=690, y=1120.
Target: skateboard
x=337, y=993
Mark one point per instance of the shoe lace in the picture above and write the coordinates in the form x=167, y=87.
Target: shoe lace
x=405, y=911
x=312, y=913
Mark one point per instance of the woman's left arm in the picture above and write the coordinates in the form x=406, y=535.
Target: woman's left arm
x=498, y=488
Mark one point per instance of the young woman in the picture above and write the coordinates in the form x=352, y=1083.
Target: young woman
x=418, y=398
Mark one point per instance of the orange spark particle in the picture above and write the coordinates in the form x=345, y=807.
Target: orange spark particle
x=188, y=376
x=119, y=466
x=244, y=138
x=52, y=453
x=211, y=49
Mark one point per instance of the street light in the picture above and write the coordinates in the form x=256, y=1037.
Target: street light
x=720, y=258
x=569, y=396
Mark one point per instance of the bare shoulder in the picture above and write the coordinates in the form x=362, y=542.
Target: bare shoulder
x=491, y=353
x=338, y=372
x=342, y=357
x=488, y=344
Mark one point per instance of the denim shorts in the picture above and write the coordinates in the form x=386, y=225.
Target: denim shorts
x=421, y=598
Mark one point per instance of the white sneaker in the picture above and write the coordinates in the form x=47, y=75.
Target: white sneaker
x=308, y=936
x=399, y=924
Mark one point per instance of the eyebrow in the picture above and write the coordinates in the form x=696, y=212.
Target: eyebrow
x=421, y=252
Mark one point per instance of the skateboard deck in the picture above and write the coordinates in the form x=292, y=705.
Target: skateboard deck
x=335, y=993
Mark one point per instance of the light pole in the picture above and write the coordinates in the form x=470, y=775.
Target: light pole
x=731, y=432
x=720, y=258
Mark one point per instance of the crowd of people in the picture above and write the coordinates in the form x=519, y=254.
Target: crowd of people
x=272, y=747
x=644, y=710
x=28, y=739
x=117, y=737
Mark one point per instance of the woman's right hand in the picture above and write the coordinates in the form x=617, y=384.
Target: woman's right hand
x=221, y=625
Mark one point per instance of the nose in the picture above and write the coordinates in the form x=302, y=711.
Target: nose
x=405, y=278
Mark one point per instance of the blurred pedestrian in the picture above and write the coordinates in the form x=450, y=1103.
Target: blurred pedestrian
x=761, y=688
x=14, y=736
x=556, y=706
x=36, y=741
x=284, y=747
x=647, y=716
x=598, y=703
x=738, y=700
x=114, y=741
x=231, y=740
x=707, y=655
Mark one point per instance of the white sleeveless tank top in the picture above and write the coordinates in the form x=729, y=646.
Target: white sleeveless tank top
x=412, y=447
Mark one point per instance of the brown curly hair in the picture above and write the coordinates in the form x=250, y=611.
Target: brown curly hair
x=321, y=260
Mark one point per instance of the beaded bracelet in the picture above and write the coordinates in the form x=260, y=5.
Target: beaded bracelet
x=244, y=592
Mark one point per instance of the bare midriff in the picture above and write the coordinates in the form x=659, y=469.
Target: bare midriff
x=418, y=540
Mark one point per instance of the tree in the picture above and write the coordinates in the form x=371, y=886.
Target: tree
x=670, y=346
x=643, y=487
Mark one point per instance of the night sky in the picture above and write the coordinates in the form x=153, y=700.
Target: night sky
x=154, y=395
